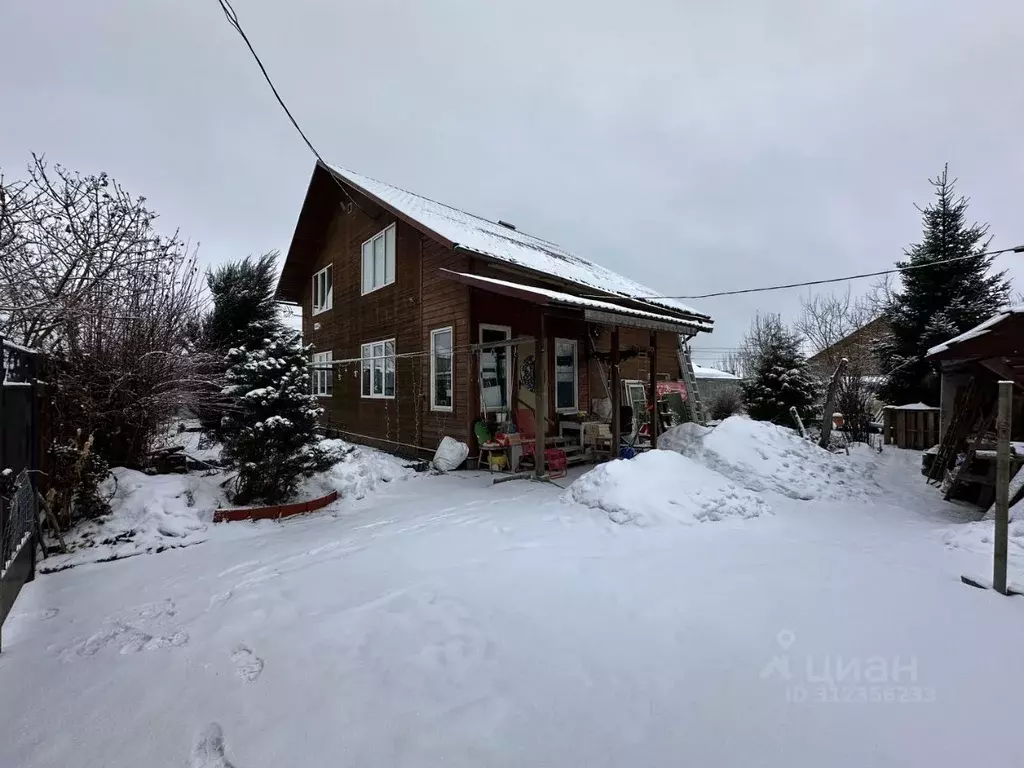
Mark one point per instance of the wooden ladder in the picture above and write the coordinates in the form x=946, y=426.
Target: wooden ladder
x=965, y=414
x=693, y=401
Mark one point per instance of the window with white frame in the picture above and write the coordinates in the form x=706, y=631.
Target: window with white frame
x=323, y=374
x=323, y=290
x=495, y=368
x=378, y=369
x=441, y=370
x=566, y=376
x=379, y=260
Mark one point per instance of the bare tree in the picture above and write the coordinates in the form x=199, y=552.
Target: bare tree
x=827, y=323
x=117, y=307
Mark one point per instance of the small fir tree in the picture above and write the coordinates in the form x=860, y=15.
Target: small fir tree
x=941, y=301
x=780, y=380
x=270, y=434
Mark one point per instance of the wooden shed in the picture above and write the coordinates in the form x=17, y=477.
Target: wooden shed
x=914, y=426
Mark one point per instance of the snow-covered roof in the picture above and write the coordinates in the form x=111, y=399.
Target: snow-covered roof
x=703, y=372
x=978, y=330
x=912, y=407
x=509, y=245
x=574, y=301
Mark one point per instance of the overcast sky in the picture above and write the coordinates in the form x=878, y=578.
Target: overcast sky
x=693, y=146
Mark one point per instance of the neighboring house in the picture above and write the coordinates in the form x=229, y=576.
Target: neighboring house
x=712, y=382
x=858, y=347
x=409, y=303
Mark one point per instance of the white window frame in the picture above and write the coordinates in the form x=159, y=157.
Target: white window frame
x=508, y=366
x=389, y=260
x=378, y=362
x=575, y=407
x=326, y=302
x=323, y=375
x=433, y=369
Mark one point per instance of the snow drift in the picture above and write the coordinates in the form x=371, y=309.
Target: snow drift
x=662, y=486
x=762, y=456
x=149, y=513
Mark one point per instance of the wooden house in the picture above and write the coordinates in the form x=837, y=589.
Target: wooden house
x=425, y=318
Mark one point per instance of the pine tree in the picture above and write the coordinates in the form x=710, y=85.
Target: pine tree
x=244, y=309
x=270, y=434
x=941, y=301
x=781, y=379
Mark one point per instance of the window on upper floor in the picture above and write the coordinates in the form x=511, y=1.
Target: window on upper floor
x=378, y=369
x=379, y=260
x=323, y=374
x=323, y=290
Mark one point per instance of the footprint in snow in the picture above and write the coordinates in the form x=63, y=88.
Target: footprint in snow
x=248, y=665
x=208, y=751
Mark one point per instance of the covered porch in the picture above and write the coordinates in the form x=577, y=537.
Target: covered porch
x=560, y=379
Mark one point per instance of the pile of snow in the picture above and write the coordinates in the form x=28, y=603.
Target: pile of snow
x=149, y=513
x=763, y=456
x=979, y=536
x=659, y=486
x=358, y=471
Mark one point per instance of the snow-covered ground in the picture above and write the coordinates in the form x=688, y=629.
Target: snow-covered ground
x=448, y=621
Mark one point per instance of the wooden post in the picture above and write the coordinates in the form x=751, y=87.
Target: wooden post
x=830, y=404
x=1002, y=485
x=616, y=394
x=541, y=369
x=652, y=361
x=799, y=422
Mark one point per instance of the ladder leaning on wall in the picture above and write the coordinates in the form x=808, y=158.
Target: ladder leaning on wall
x=693, y=401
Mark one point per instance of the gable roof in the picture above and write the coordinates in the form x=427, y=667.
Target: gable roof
x=977, y=331
x=458, y=229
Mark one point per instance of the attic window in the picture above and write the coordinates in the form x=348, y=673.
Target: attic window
x=379, y=260
x=323, y=290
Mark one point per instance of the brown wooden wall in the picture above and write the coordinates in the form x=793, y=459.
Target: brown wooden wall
x=390, y=312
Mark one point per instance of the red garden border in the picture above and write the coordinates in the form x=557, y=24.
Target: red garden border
x=276, y=512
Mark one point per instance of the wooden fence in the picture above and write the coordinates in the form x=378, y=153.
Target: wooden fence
x=914, y=428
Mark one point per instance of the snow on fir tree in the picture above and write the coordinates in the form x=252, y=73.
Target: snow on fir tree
x=269, y=433
x=781, y=380
x=941, y=301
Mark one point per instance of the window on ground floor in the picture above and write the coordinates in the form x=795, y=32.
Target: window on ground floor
x=566, y=376
x=441, y=370
x=378, y=369
x=495, y=369
x=323, y=374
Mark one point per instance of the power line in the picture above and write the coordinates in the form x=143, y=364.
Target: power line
x=1017, y=249
x=232, y=17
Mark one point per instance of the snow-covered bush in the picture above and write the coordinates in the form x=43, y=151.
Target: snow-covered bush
x=269, y=432
x=76, y=472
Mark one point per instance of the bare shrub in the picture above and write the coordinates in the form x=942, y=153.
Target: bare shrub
x=726, y=403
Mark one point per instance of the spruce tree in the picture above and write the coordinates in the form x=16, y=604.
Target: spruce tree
x=244, y=309
x=269, y=433
x=781, y=379
x=941, y=301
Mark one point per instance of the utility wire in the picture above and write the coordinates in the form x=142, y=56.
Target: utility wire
x=1017, y=249
x=232, y=17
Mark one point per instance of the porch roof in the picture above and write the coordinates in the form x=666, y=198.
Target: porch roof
x=594, y=310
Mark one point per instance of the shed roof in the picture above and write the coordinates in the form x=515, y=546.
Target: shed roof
x=977, y=331
x=704, y=372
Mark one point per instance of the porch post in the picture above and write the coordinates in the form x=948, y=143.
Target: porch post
x=541, y=370
x=616, y=393
x=652, y=361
